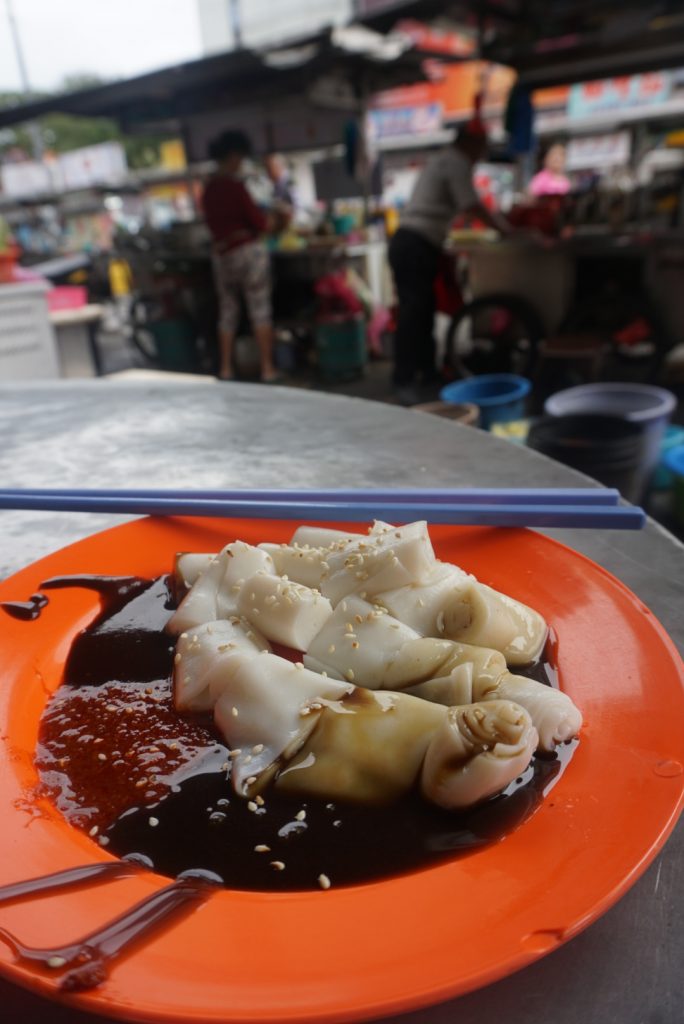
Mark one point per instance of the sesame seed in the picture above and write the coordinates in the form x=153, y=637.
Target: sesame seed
x=324, y=881
x=251, y=780
x=300, y=815
x=177, y=659
x=235, y=753
x=56, y=961
x=259, y=800
x=153, y=822
x=350, y=675
x=234, y=712
x=102, y=757
x=258, y=748
x=278, y=865
x=262, y=848
x=103, y=840
x=251, y=806
x=94, y=830
x=299, y=664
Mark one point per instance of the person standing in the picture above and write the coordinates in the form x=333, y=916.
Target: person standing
x=444, y=189
x=551, y=179
x=240, y=257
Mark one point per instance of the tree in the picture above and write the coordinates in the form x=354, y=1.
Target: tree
x=64, y=132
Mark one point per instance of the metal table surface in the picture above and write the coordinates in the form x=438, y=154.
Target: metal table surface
x=627, y=966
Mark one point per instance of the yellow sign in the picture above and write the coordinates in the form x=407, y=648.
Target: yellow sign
x=172, y=155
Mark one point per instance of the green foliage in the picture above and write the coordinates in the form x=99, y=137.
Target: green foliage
x=63, y=132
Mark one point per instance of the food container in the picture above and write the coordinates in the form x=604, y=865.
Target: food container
x=500, y=397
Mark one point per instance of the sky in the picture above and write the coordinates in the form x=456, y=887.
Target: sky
x=113, y=38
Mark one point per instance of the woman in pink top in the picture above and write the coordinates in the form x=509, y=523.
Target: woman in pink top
x=551, y=181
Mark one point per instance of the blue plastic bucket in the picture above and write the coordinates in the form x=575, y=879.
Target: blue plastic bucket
x=649, y=406
x=500, y=397
x=674, y=460
x=662, y=479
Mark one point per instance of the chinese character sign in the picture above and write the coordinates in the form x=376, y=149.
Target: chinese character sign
x=615, y=94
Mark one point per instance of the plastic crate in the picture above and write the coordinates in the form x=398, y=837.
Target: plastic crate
x=67, y=297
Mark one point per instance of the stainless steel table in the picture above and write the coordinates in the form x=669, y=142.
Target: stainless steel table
x=627, y=967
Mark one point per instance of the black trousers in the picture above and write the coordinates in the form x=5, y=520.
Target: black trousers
x=414, y=262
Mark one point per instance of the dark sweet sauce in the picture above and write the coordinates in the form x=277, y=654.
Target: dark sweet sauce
x=119, y=762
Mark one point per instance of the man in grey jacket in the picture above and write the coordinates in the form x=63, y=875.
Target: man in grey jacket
x=443, y=190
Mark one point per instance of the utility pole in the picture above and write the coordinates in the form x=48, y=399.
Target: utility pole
x=236, y=23
x=32, y=128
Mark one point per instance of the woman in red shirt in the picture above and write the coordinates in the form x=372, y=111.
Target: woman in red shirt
x=240, y=258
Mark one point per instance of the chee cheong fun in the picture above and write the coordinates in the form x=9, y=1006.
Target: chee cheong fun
x=404, y=681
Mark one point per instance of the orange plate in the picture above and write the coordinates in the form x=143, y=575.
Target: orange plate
x=389, y=946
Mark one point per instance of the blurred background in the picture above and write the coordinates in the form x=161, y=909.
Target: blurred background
x=569, y=274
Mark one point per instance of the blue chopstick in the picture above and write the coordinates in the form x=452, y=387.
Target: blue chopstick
x=621, y=517
x=432, y=495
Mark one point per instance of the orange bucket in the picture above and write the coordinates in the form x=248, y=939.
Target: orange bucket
x=8, y=261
